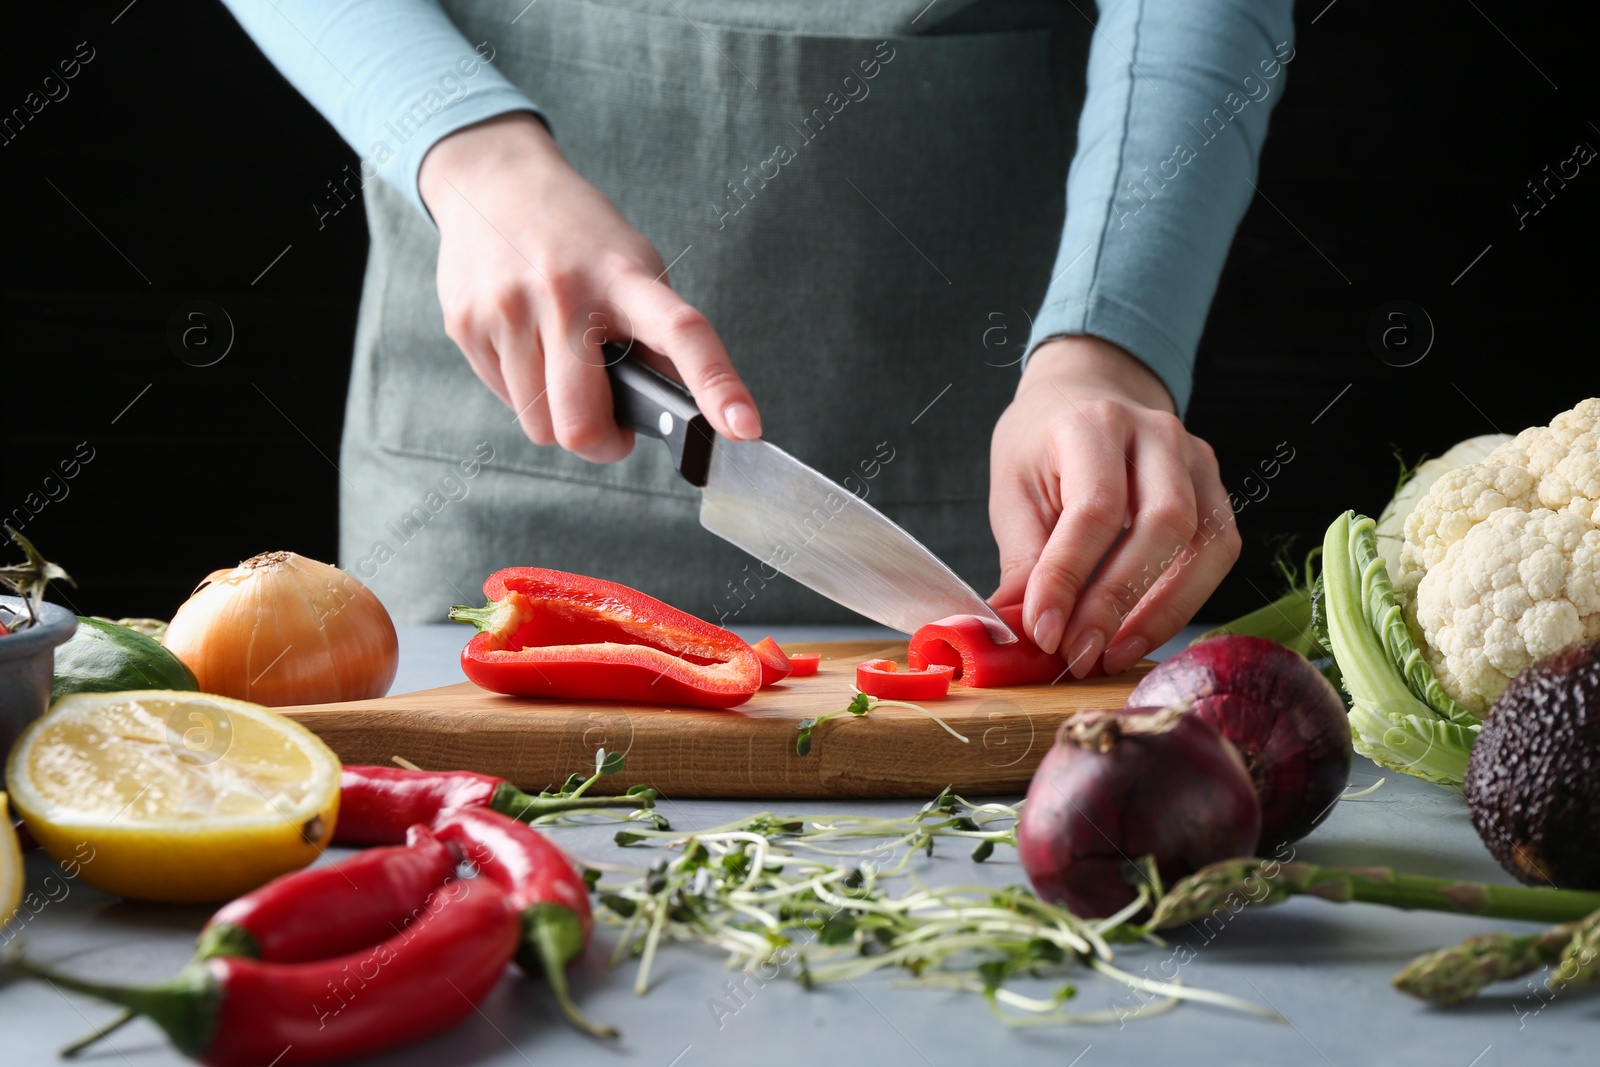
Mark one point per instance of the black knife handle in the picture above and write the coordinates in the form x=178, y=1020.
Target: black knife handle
x=650, y=403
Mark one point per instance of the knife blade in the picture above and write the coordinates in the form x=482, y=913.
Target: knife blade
x=790, y=517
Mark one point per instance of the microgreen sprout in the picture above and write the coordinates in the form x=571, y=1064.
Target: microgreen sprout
x=859, y=705
x=605, y=763
x=768, y=891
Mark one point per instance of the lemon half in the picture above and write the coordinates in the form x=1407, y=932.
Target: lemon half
x=11, y=874
x=176, y=797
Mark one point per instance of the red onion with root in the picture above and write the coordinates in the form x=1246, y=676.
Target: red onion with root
x=1121, y=785
x=1285, y=718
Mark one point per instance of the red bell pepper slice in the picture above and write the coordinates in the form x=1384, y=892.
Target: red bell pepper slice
x=884, y=679
x=775, y=666
x=964, y=642
x=802, y=664
x=547, y=633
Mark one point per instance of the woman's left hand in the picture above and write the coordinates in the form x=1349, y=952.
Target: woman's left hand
x=1111, y=518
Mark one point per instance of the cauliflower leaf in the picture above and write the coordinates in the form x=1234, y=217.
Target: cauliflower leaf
x=1400, y=717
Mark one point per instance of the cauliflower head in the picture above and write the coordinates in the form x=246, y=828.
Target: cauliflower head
x=1501, y=560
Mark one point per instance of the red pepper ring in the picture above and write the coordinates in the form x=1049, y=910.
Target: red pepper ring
x=547, y=633
x=332, y=909
x=802, y=664
x=964, y=643
x=230, y=1011
x=884, y=679
x=775, y=666
x=544, y=886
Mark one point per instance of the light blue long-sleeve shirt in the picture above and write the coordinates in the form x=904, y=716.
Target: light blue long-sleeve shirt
x=1175, y=113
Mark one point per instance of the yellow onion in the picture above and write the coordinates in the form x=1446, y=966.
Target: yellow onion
x=283, y=629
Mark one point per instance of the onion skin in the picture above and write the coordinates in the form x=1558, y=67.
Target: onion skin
x=1285, y=718
x=282, y=629
x=1107, y=795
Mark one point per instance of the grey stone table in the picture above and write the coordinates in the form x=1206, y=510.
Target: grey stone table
x=1325, y=967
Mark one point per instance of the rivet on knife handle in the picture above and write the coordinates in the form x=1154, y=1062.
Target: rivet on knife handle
x=650, y=403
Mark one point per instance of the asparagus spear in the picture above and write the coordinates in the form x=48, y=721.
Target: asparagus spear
x=1580, y=963
x=1457, y=973
x=1454, y=974
x=1251, y=882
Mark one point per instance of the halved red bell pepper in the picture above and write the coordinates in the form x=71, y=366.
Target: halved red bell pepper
x=884, y=679
x=547, y=633
x=964, y=642
x=775, y=666
x=802, y=664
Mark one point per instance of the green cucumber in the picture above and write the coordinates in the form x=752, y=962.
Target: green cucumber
x=103, y=657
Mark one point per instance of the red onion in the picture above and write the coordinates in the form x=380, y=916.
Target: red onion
x=1122, y=785
x=1285, y=718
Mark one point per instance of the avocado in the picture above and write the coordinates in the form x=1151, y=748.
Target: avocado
x=1533, y=782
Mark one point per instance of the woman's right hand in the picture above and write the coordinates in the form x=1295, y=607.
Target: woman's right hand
x=537, y=268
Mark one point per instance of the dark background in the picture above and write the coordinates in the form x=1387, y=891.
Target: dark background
x=1405, y=135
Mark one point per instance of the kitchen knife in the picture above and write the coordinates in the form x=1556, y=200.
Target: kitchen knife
x=760, y=498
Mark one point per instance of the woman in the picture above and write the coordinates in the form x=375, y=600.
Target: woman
x=862, y=203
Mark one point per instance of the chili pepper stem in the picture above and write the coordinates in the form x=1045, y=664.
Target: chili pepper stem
x=551, y=933
x=117, y=1022
x=184, y=1006
x=525, y=807
x=226, y=939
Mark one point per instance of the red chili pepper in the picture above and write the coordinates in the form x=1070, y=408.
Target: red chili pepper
x=377, y=805
x=334, y=909
x=884, y=679
x=964, y=642
x=231, y=1011
x=804, y=663
x=775, y=666
x=544, y=886
x=547, y=633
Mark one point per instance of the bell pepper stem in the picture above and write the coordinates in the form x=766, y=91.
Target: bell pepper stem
x=551, y=933
x=484, y=618
x=117, y=1022
x=185, y=1006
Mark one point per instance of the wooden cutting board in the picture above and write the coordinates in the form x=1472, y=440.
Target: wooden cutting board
x=748, y=751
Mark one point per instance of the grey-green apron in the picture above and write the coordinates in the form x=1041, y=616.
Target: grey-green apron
x=866, y=211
